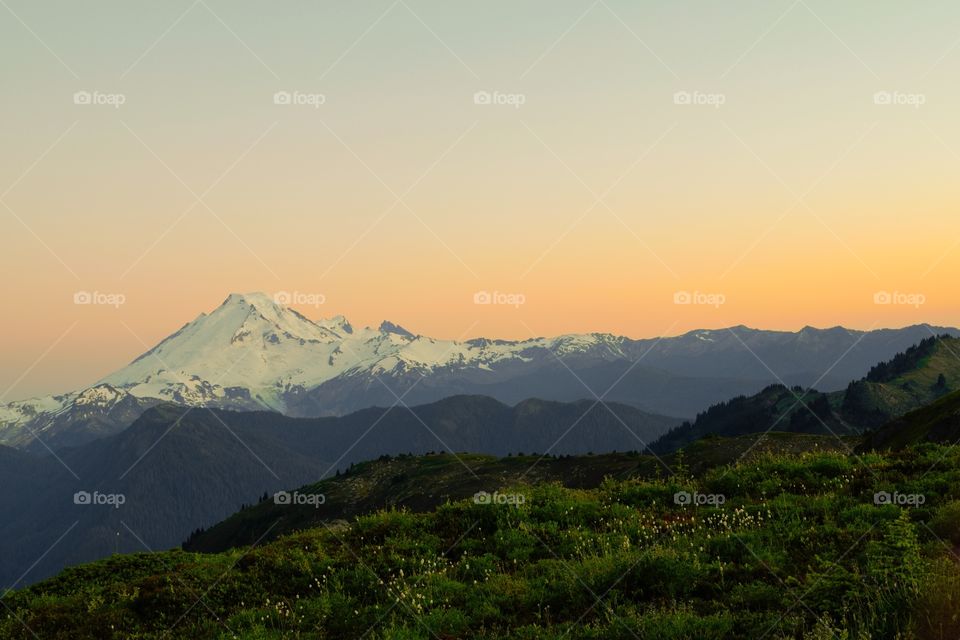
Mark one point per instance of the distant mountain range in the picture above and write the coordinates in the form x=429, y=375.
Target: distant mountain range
x=251, y=353
x=179, y=468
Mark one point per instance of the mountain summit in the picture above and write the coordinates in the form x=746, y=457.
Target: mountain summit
x=388, y=327
x=249, y=342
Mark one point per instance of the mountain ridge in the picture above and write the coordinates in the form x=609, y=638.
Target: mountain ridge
x=252, y=353
x=885, y=396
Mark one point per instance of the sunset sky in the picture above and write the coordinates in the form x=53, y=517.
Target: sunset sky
x=793, y=190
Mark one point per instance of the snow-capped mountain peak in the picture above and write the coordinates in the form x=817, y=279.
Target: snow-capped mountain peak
x=249, y=341
x=98, y=395
x=252, y=343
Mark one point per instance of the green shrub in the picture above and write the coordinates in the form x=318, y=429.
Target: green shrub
x=946, y=522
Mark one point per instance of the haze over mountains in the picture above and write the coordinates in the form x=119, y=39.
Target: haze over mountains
x=141, y=432
x=179, y=468
x=251, y=353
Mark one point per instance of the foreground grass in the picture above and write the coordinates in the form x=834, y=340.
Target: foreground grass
x=797, y=549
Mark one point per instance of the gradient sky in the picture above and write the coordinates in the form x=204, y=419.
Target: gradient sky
x=798, y=199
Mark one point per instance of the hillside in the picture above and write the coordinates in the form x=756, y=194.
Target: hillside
x=912, y=379
x=938, y=422
x=775, y=408
x=729, y=553
x=423, y=483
